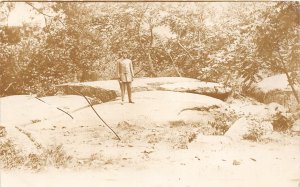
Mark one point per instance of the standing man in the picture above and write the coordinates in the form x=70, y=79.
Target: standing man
x=125, y=75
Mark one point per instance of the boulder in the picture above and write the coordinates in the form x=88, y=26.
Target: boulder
x=246, y=126
x=261, y=112
x=275, y=89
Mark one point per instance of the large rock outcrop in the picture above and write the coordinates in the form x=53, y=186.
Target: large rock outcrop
x=110, y=89
x=171, y=110
x=174, y=115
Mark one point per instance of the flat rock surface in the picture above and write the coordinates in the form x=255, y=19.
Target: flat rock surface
x=151, y=110
x=166, y=140
x=26, y=109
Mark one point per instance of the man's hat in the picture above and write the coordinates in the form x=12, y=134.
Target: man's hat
x=124, y=52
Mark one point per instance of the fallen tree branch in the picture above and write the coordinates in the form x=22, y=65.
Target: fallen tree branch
x=96, y=112
x=204, y=108
x=65, y=112
x=55, y=107
x=29, y=136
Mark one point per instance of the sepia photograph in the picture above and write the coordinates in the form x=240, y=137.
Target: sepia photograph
x=149, y=93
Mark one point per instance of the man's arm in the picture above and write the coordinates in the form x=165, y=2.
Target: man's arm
x=131, y=69
x=118, y=75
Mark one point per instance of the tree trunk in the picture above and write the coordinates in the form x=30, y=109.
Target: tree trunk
x=150, y=63
x=187, y=52
x=149, y=55
x=290, y=81
x=173, y=62
x=174, y=66
x=152, y=71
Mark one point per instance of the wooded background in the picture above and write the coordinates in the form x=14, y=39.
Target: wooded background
x=236, y=45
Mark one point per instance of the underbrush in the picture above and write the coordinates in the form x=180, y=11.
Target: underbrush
x=12, y=158
x=222, y=122
x=254, y=134
x=280, y=125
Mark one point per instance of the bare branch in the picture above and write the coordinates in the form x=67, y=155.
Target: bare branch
x=185, y=50
x=41, y=12
x=173, y=62
x=38, y=10
x=9, y=86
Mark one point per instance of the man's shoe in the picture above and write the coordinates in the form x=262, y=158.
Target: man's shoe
x=131, y=102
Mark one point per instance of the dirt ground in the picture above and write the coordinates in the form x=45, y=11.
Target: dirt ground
x=208, y=161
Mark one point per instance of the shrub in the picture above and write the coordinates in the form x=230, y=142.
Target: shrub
x=255, y=134
x=56, y=156
x=2, y=131
x=11, y=157
x=280, y=122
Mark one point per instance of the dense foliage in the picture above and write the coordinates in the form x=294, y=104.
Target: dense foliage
x=236, y=45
